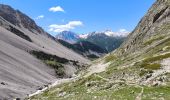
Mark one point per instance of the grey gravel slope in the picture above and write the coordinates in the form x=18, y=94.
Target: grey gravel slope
x=20, y=72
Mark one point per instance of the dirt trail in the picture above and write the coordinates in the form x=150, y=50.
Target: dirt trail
x=58, y=82
x=96, y=68
x=139, y=96
x=93, y=69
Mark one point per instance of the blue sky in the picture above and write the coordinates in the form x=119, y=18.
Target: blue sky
x=83, y=16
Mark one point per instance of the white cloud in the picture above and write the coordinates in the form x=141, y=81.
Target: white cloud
x=67, y=27
x=121, y=32
x=40, y=17
x=56, y=9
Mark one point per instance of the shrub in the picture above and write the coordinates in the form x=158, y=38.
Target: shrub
x=19, y=33
x=44, y=56
x=109, y=58
x=52, y=61
x=157, y=58
x=154, y=66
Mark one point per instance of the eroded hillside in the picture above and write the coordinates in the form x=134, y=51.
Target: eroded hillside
x=30, y=58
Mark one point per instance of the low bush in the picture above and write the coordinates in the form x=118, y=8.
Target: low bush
x=109, y=58
x=154, y=66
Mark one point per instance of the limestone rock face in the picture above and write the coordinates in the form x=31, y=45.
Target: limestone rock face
x=147, y=47
x=158, y=17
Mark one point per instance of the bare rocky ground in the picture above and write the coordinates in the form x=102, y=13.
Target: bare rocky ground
x=20, y=72
x=91, y=70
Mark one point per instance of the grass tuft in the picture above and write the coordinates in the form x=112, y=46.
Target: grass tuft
x=110, y=58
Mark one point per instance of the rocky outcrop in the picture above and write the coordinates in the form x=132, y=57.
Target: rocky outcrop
x=148, y=45
x=157, y=17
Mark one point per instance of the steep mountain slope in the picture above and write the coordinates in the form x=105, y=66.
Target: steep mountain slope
x=85, y=48
x=106, y=41
x=68, y=36
x=22, y=46
x=20, y=72
x=138, y=70
x=147, y=48
x=19, y=19
x=154, y=25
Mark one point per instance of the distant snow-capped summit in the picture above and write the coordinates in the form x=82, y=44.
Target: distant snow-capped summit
x=110, y=33
x=120, y=33
x=68, y=36
x=83, y=36
x=108, y=39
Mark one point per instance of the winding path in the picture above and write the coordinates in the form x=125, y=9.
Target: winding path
x=100, y=67
x=139, y=96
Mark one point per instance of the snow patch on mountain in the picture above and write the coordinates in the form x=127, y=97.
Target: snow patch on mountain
x=110, y=33
x=83, y=36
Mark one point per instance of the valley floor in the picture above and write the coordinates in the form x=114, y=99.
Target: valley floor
x=94, y=85
x=91, y=70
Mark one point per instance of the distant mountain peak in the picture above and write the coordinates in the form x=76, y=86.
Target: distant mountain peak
x=68, y=36
x=108, y=39
x=120, y=33
x=110, y=33
x=83, y=36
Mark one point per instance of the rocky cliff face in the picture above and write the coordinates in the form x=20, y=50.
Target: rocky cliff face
x=146, y=50
x=157, y=18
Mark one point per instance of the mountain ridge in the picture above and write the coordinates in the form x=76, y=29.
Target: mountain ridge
x=109, y=43
x=107, y=40
x=85, y=48
x=19, y=19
